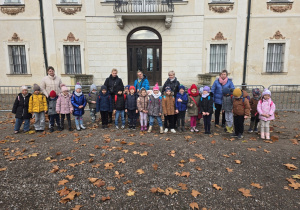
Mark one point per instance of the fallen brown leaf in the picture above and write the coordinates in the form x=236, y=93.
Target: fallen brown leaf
x=245, y=192
x=195, y=193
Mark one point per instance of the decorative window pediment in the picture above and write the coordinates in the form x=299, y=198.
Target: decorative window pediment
x=277, y=36
x=219, y=36
x=12, y=8
x=221, y=6
x=69, y=7
x=71, y=38
x=15, y=38
x=280, y=6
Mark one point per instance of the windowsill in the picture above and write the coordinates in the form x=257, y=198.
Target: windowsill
x=221, y=3
x=107, y=3
x=180, y=2
x=72, y=75
x=13, y=5
x=69, y=4
x=274, y=73
x=19, y=75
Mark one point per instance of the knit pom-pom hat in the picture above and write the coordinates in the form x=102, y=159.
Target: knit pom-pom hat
x=78, y=86
x=156, y=87
x=193, y=87
x=63, y=88
x=132, y=87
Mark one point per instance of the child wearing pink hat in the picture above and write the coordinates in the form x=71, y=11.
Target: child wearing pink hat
x=266, y=109
x=155, y=108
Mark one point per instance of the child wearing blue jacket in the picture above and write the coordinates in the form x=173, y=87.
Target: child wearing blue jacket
x=181, y=106
x=104, y=105
x=78, y=101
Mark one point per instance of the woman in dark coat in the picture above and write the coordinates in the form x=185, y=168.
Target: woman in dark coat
x=113, y=84
x=174, y=84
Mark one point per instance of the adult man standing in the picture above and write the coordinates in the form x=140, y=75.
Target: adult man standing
x=141, y=81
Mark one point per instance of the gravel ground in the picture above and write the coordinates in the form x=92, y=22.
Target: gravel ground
x=27, y=181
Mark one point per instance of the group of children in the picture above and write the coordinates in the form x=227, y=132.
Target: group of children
x=198, y=104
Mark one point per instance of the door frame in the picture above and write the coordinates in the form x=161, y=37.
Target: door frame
x=144, y=43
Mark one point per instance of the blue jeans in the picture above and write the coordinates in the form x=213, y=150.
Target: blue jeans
x=158, y=120
x=118, y=113
x=19, y=122
x=78, y=120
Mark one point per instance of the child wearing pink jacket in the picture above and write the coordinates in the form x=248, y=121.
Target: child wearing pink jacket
x=266, y=110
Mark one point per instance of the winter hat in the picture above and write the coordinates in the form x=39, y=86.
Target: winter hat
x=24, y=87
x=78, y=86
x=206, y=88
x=181, y=87
x=93, y=87
x=36, y=87
x=103, y=87
x=266, y=92
x=52, y=94
x=63, y=88
x=256, y=91
x=194, y=87
x=127, y=86
x=156, y=87
x=167, y=89
x=237, y=93
x=132, y=87
x=226, y=91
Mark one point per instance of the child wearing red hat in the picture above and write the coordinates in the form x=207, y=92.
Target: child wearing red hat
x=193, y=106
x=131, y=107
x=54, y=116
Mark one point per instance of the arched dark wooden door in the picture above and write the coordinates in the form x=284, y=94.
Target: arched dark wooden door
x=144, y=50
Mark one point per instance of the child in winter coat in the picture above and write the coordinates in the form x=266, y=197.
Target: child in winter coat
x=119, y=107
x=54, y=116
x=20, y=109
x=64, y=106
x=155, y=108
x=92, y=100
x=241, y=111
x=192, y=105
x=126, y=89
x=181, y=106
x=206, y=105
x=266, y=109
x=253, y=109
x=168, y=104
x=131, y=107
x=38, y=106
x=142, y=104
x=227, y=106
x=78, y=101
x=104, y=105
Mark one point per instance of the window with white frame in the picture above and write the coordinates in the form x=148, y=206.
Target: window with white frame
x=17, y=59
x=12, y=1
x=217, y=58
x=72, y=59
x=69, y=1
x=275, y=57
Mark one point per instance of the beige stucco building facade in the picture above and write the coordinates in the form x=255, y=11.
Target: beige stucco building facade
x=85, y=39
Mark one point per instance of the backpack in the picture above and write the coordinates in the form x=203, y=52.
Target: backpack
x=116, y=97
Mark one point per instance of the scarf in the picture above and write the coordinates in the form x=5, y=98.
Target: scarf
x=78, y=94
x=24, y=95
x=194, y=94
x=223, y=81
x=156, y=95
x=53, y=78
x=205, y=95
x=172, y=79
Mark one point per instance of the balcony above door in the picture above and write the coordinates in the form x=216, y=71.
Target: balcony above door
x=144, y=9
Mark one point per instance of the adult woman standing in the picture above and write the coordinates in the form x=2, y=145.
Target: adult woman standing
x=113, y=84
x=222, y=82
x=50, y=82
x=173, y=84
